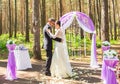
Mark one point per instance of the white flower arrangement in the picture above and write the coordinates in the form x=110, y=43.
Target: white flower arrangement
x=110, y=53
x=10, y=42
x=105, y=43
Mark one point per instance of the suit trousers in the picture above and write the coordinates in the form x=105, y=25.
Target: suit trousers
x=48, y=61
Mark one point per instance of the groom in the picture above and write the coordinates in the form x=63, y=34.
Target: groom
x=48, y=44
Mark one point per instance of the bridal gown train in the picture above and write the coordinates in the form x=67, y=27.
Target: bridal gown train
x=60, y=66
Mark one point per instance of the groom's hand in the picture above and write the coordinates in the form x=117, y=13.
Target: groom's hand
x=57, y=39
x=48, y=30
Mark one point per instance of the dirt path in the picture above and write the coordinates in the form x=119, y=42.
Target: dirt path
x=83, y=74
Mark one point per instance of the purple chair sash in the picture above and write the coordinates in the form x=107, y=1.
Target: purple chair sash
x=107, y=74
x=11, y=65
x=104, y=48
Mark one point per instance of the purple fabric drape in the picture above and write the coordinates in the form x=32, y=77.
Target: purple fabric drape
x=104, y=48
x=87, y=25
x=11, y=65
x=65, y=18
x=85, y=20
x=107, y=74
x=93, y=62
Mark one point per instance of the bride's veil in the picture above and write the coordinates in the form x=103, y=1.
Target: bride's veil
x=66, y=55
x=65, y=44
x=64, y=25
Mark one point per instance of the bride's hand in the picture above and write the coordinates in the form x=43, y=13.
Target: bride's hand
x=62, y=40
x=48, y=30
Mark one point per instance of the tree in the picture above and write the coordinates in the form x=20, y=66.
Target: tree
x=0, y=17
x=15, y=19
x=110, y=21
x=27, y=22
x=80, y=5
x=99, y=17
x=43, y=13
x=118, y=13
x=104, y=21
x=80, y=9
x=22, y=14
x=10, y=28
x=114, y=20
x=90, y=13
x=55, y=8
x=36, y=30
x=61, y=8
x=71, y=8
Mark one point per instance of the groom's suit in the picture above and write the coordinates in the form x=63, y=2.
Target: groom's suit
x=48, y=47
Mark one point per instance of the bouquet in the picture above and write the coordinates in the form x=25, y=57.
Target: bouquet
x=110, y=53
x=10, y=42
x=105, y=43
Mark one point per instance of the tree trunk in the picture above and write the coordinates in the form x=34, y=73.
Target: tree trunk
x=27, y=22
x=118, y=13
x=83, y=6
x=61, y=8
x=81, y=30
x=15, y=18
x=5, y=24
x=90, y=14
x=114, y=20
x=104, y=21
x=43, y=13
x=36, y=30
x=55, y=8
x=12, y=17
x=71, y=8
x=80, y=5
x=110, y=22
x=10, y=28
x=0, y=17
x=22, y=20
x=99, y=17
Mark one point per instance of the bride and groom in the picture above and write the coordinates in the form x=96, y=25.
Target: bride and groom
x=57, y=64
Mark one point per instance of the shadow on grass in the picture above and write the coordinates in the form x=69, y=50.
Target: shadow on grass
x=90, y=79
x=83, y=72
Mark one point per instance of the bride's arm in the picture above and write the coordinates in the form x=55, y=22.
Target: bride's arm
x=55, y=36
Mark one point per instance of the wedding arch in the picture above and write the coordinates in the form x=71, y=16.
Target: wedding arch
x=87, y=25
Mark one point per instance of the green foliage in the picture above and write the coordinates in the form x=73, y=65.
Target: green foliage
x=19, y=40
x=76, y=44
x=76, y=41
x=3, y=41
x=115, y=42
x=3, y=49
x=98, y=44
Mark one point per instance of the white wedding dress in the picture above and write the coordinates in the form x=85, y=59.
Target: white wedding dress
x=60, y=66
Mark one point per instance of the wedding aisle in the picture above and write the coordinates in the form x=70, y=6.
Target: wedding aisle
x=83, y=74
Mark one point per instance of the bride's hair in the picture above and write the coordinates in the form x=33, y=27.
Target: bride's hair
x=58, y=22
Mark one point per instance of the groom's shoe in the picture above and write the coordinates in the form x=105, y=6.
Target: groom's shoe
x=48, y=74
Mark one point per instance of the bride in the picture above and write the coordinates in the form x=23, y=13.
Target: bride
x=60, y=66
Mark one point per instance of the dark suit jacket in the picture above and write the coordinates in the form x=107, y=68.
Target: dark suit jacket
x=48, y=38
